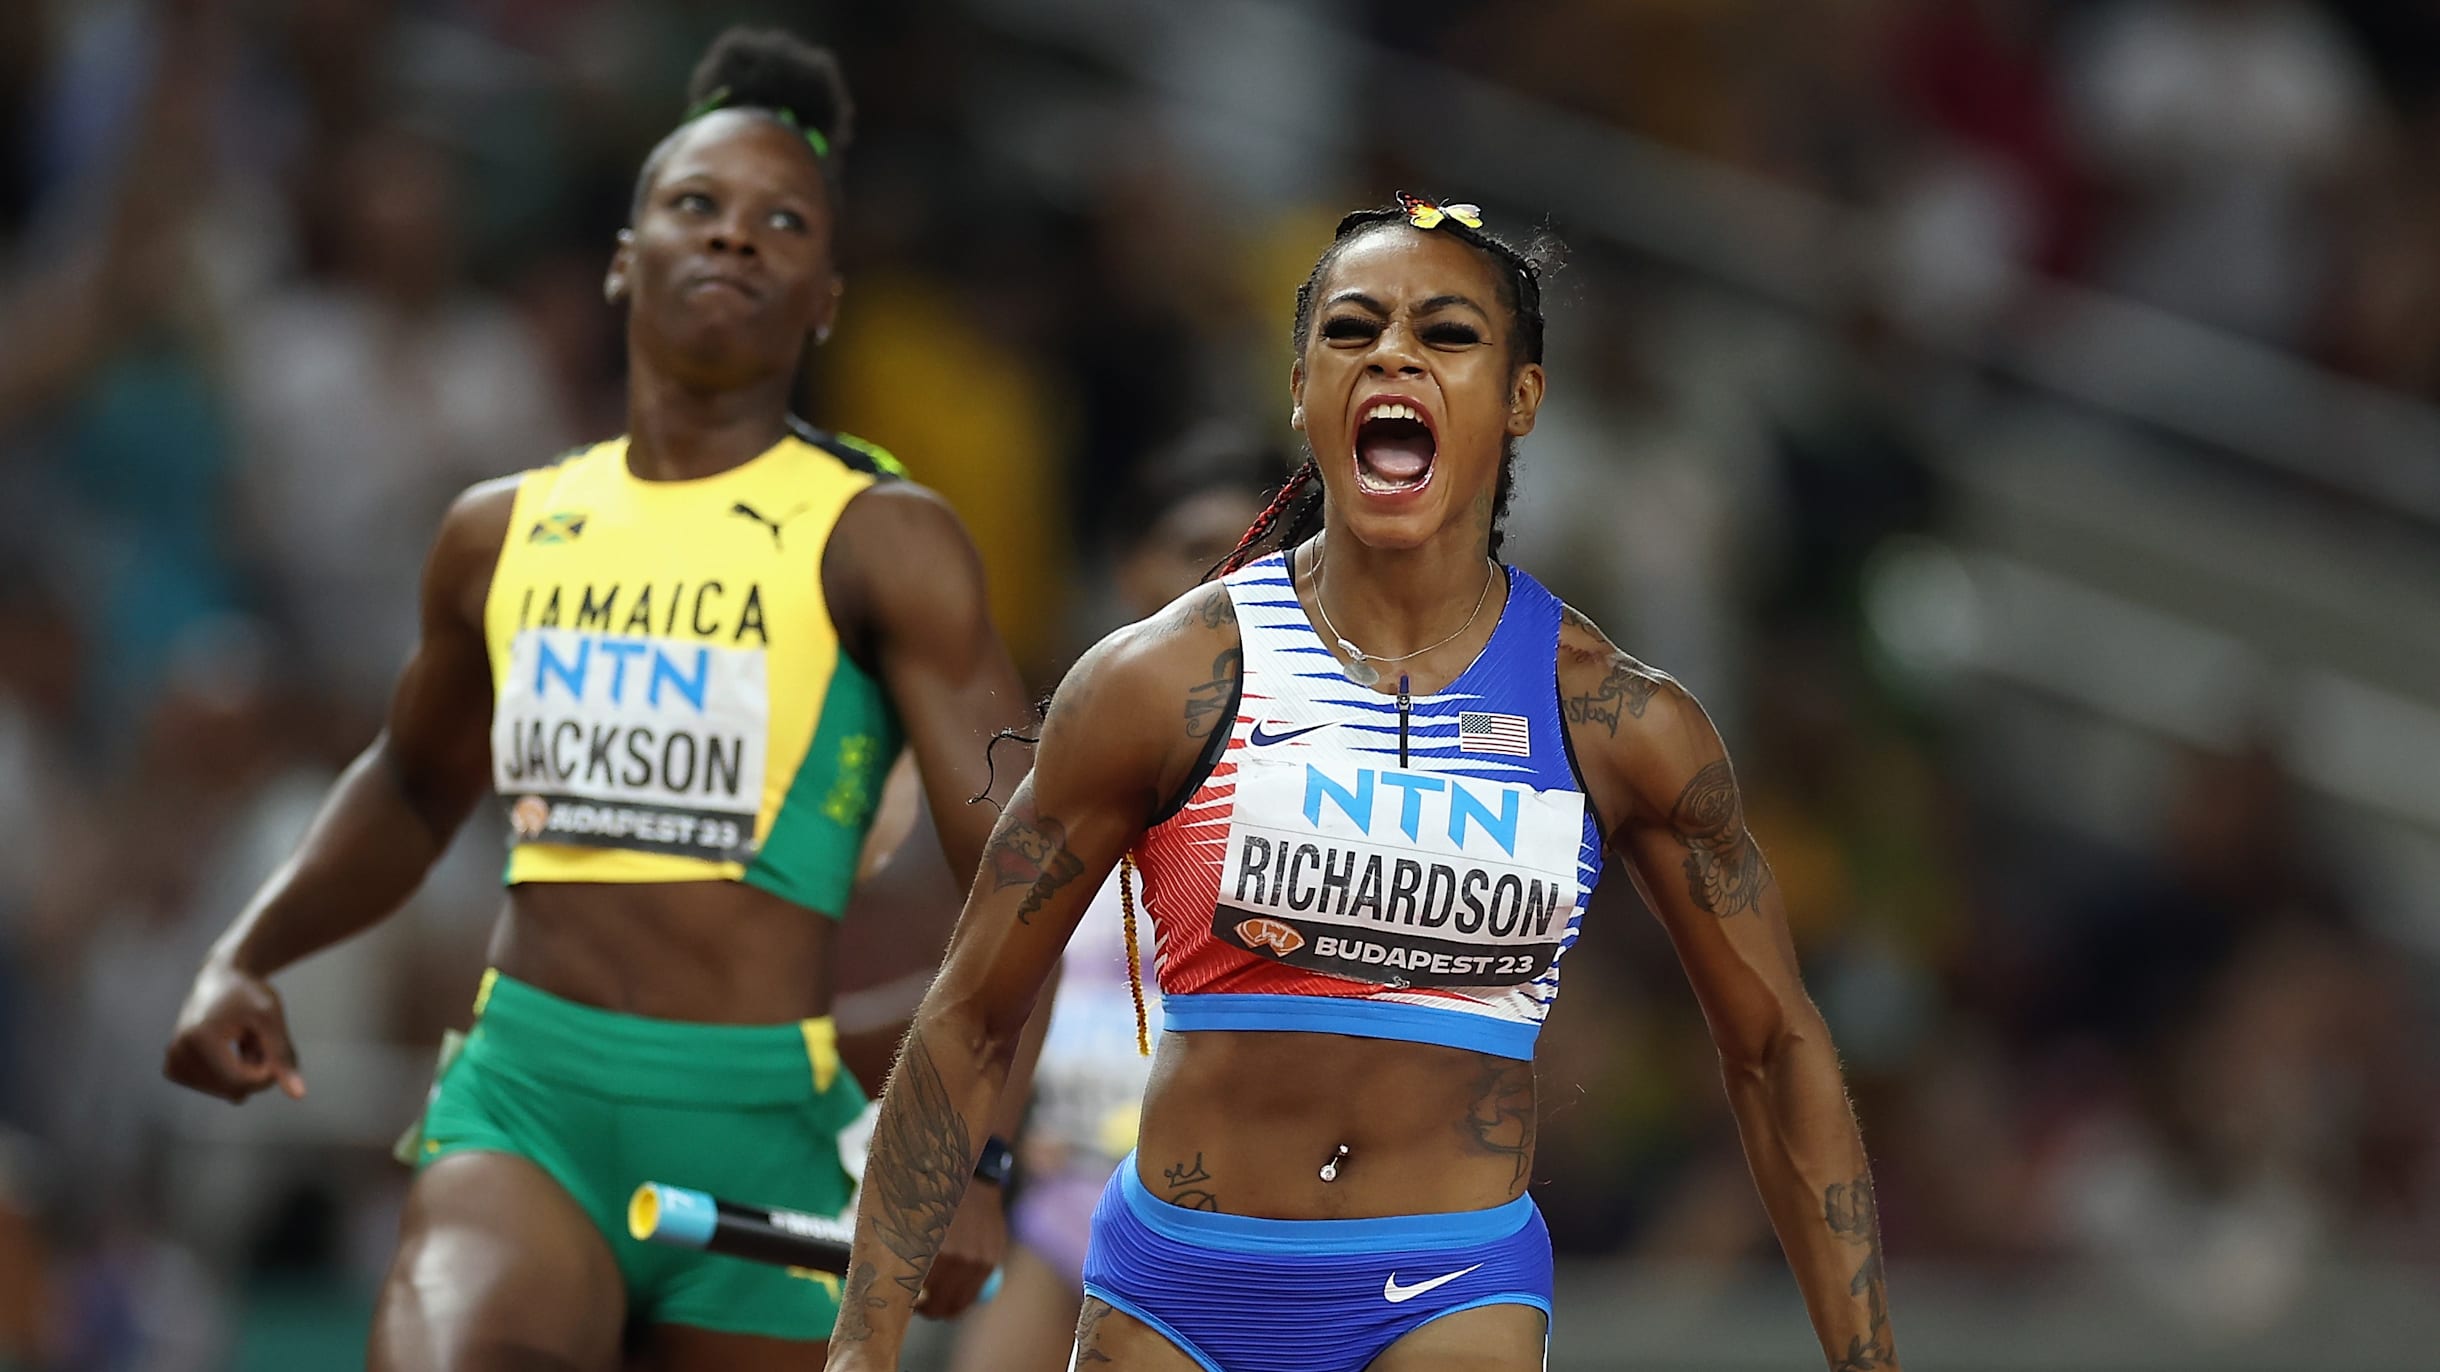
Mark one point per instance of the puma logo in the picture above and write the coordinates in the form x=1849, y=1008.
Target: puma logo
x=1277, y=935
x=774, y=525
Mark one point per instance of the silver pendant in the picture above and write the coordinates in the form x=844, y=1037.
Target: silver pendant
x=1356, y=668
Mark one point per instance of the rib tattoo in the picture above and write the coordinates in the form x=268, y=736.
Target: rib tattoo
x=1725, y=873
x=1501, y=1120
x=1854, y=1215
x=1029, y=848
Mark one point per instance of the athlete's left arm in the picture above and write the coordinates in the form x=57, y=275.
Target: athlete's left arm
x=905, y=587
x=1661, y=781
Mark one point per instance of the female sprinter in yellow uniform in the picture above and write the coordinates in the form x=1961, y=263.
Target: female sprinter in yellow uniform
x=684, y=660
x=1369, y=780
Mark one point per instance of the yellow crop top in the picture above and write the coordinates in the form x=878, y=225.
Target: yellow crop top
x=670, y=700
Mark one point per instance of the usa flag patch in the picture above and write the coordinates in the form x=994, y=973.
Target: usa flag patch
x=1480, y=731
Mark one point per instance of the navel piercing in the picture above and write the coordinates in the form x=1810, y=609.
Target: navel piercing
x=1330, y=1169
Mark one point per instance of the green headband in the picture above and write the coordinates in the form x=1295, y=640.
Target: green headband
x=719, y=99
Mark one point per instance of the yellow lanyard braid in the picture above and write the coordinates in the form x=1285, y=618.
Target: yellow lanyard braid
x=1135, y=959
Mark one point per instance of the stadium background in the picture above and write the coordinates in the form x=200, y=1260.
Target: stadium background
x=2016, y=420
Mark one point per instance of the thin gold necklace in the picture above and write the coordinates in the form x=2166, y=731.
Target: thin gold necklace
x=1359, y=668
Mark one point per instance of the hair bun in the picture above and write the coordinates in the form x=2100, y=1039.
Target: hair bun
x=772, y=69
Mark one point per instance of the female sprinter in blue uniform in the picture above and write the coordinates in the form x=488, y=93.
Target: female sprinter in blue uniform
x=1184, y=515
x=1369, y=781
x=684, y=660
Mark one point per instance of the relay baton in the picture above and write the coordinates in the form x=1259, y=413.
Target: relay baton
x=690, y=1219
x=685, y=1218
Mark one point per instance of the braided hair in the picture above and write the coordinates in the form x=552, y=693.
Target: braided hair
x=1295, y=512
x=774, y=73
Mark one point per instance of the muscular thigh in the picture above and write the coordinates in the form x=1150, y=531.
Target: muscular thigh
x=1110, y=1340
x=1490, y=1338
x=1029, y=1327
x=497, y=1270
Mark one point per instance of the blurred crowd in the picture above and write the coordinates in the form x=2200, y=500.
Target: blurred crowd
x=278, y=277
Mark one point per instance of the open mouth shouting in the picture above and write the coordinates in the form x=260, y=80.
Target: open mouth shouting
x=1394, y=446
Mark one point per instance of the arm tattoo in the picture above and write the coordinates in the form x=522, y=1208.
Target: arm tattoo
x=1725, y=872
x=1088, y=1333
x=1207, y=704
x=921, y=1154
x=1853, y=1215
x=1501, y=1120
x=1190, y=1174
x=1218, y=611
x=1029, y=848
x=856, y=1304
x=1623, y=692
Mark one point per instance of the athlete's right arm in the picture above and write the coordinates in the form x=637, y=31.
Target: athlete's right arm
x=389, y=818
x=1125, y=730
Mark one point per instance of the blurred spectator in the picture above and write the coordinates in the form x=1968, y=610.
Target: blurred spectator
x=105, y=363
x=368, y=399
x=2223, y=128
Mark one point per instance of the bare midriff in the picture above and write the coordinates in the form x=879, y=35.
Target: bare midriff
x=707, y=952
x=1245, y=1122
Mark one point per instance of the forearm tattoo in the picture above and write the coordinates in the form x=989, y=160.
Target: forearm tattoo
x=1029, y=849
x=857, y=1304
x=1725, y=873
x=921, y=1154
x=1853, y=1215
x=1501, y=1120
x=1207, y=703
x=1189, y=1185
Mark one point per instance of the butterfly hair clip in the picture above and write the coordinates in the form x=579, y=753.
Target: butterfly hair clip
x=1424, y=214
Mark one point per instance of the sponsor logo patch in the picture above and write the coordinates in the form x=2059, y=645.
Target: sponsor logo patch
x=530, y=816
x=1260, y=739
x=1395, y=1294
x=1278, y=936
x=774, y=525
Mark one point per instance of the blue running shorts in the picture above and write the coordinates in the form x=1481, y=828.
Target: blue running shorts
x=1240, y=1294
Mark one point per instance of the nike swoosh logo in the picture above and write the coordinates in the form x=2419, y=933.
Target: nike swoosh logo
x=1259, y=739
x=1395, y=1294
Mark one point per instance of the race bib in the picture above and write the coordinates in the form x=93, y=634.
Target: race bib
x=1398, y=877
x=619, y=741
